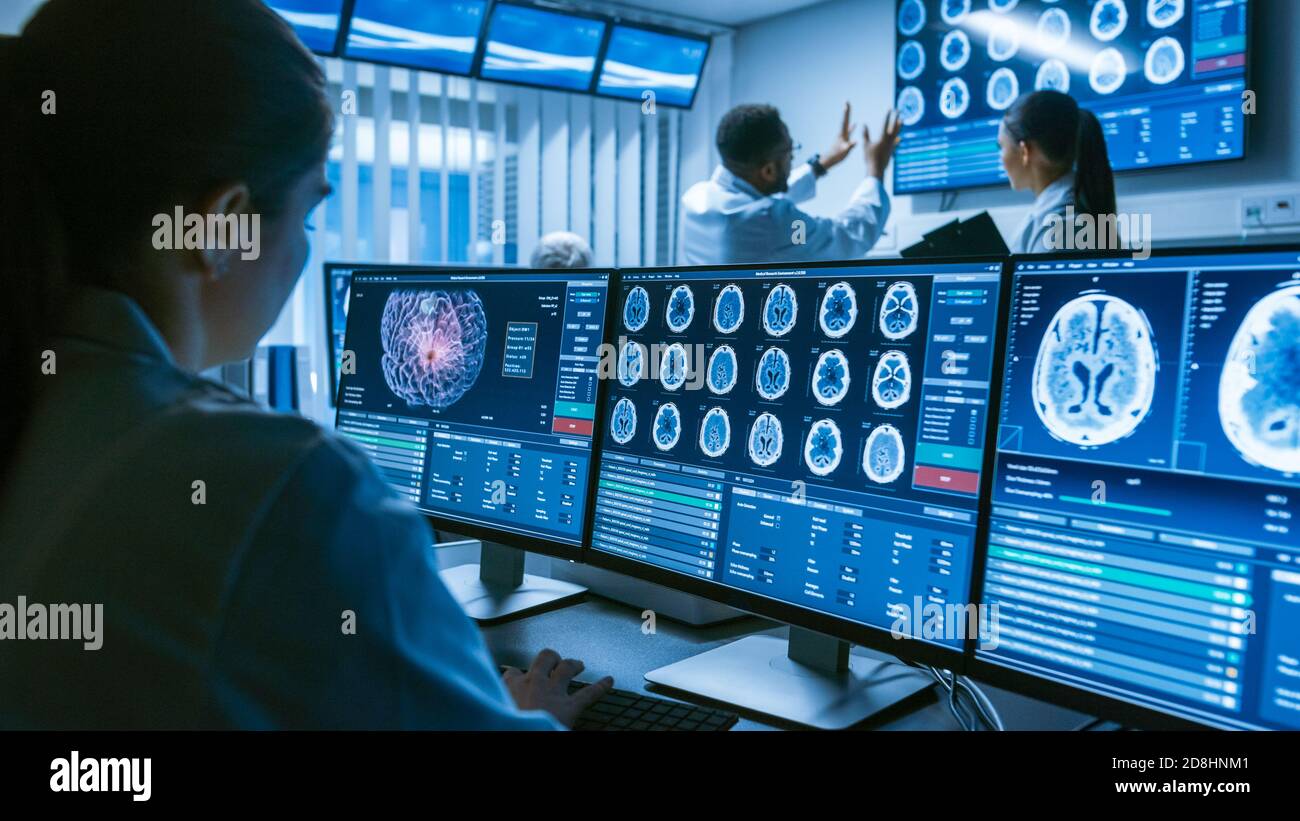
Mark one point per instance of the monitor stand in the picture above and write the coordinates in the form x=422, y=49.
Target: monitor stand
x=497, y=587
x=810, y=680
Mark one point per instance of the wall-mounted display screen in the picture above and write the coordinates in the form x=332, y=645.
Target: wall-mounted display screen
x=316, y=22
x=437, y=35
x=537, y=47
x=640, y=60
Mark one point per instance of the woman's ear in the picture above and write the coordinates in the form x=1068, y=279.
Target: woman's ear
x=1026, y=155
x=228, y=229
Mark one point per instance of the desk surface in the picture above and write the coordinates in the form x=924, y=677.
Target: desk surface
x=607, y=637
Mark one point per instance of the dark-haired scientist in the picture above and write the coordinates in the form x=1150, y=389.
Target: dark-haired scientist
x=748, y=210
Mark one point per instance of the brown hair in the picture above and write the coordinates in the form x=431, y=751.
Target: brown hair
x=116, y=110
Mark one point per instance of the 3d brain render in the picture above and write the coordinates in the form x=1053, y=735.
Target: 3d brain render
x=433, y=344
x=622, y=425
x=729, y=310
x=715, y=433
x=883, y=457
x=831, y=378
x=1095, y=375
x=667, y=428
x=631, y=363
x=723, y=369
x=1259, y=389
x=773, y=377
x=899, y=311
x=823, y=448
x=681, y=308
x=780, y=310
x=765, y=440
x=636, y=309
x=839, y=310
x=891, y=384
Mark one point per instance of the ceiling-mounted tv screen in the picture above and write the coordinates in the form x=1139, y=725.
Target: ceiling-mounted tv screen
x=431, y=35
x=537, y=47
x=316, y=22
x=638, y=60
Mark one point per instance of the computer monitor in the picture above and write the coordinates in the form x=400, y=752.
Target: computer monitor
x=475, y=394
x=806, y=443
x=1165, y=77
x=533, y=46
x=1143, y=551
x=667, y=63
x=428, y=35
x=316, y=22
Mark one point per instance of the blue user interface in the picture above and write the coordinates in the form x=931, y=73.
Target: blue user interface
x=475, y=393
x=316, y=22
x=541, y=48
x=436, y=35
x=814, y=436
x=640, y=60
x=1165, y=77
x=1142, y=543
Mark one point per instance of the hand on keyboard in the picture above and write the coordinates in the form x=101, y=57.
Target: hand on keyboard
x=545, y=686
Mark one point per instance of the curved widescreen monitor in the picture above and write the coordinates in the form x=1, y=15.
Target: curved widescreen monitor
x=1166, y=78
x=806, y=443
x=431, y=35
x=1143, y=553
x=537, y=47
x=640, y=60
x=316, y=22
x=475, y=394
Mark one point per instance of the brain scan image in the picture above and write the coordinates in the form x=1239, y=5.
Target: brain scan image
x=1259, y=389
x=681, y=308
x=765, y=440
x=1003, y=89
x=839, y=310
x=911, y=17
x=1004, y=41
x=773, y=377
x=911, y=60
x=1162, y=14
x=954, y=51
x=667, y=427
x=911, y=105
x=823, y=448
x=672, y=366
x=631, y=364
x=622, y=425
x=891, y=384
x=1108, y=71
x=723, y=370
x=1164, y=62
x=899, y=311
x=1053, y=75
x=1003, y=6
x=780, y=310
x=1095, y=374
x=433, y=342
x=954, y=98
x=884, y=456
x=636, y=309
x=1053, y=28
x=729, y=310
x=715, y=433
x=831, y=378
x=954, y=11
x=1109, y=19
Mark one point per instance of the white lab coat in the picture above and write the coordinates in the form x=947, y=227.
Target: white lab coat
x=1032, y=237
x=725, y=220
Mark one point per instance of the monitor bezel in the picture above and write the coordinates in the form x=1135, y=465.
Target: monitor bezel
x=485, y=533
x=481, y=54
x=342, y=47
x=684, y=35
x=876, y=638
x=1246, y=129
x=1033, y=684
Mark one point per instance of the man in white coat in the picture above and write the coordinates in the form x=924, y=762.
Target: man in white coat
x=748, y=211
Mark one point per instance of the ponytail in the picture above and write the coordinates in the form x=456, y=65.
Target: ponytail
x=1094, y=183
x=1071, y=138
x=31, y=246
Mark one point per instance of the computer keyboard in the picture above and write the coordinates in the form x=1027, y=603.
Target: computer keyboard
x=626, y=710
